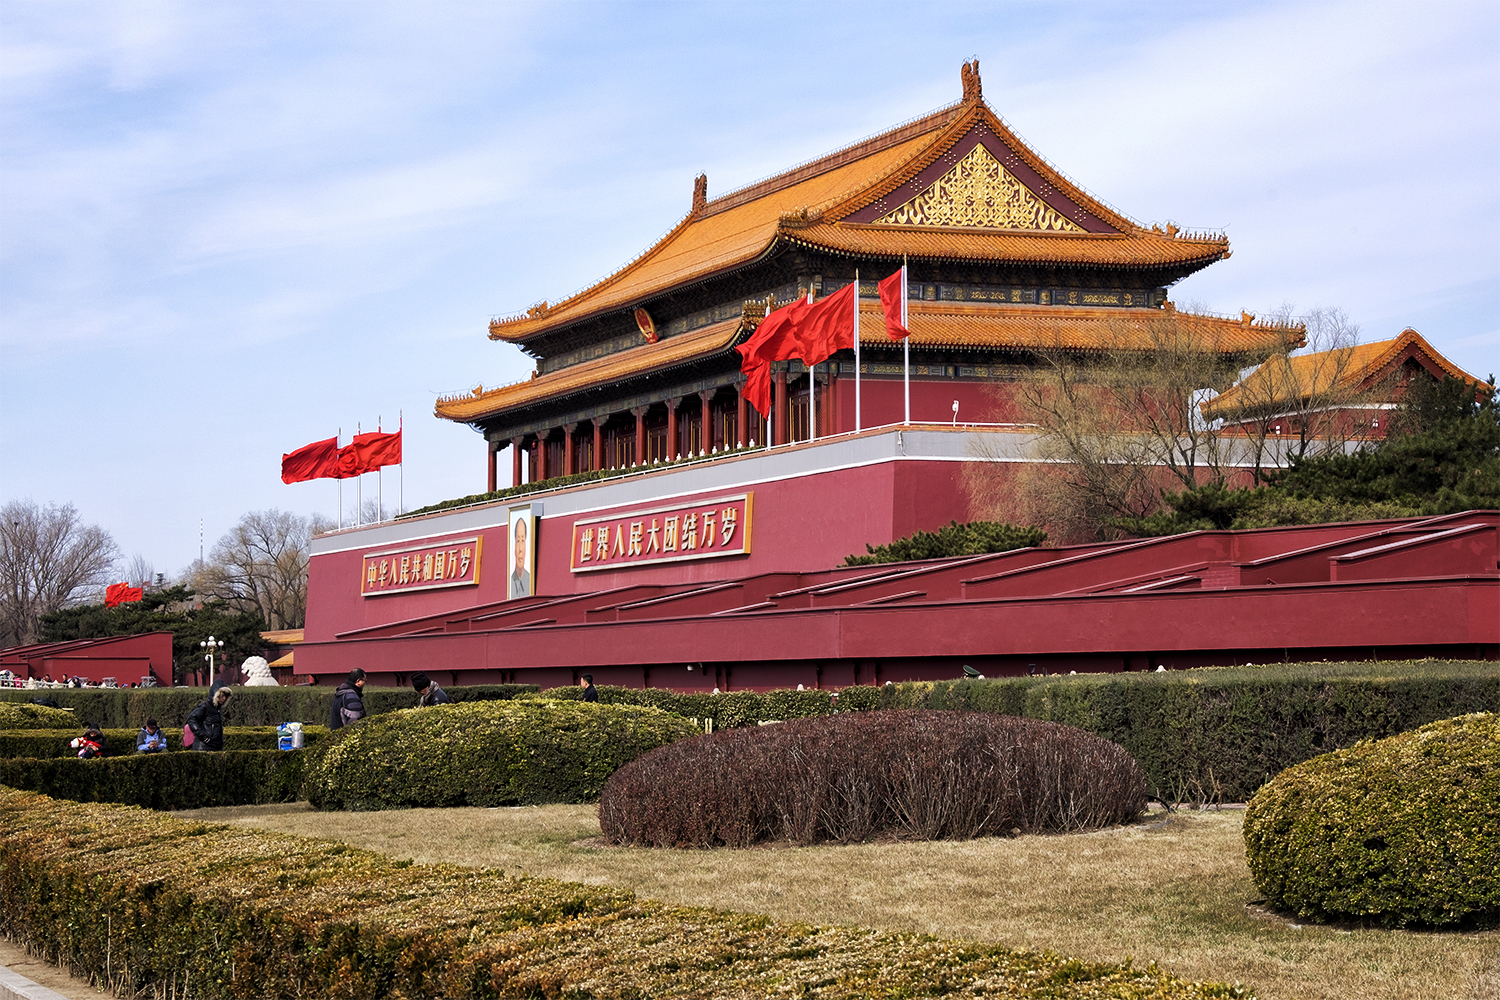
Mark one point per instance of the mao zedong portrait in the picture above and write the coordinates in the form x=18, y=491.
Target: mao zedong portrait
x=520, y=577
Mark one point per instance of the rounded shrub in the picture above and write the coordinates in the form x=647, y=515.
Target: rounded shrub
x=924, y=775
x=19, y=716
x=483, y=754
x=1401, y=831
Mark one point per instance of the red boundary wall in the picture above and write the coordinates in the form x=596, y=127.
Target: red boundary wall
x=1392, y=589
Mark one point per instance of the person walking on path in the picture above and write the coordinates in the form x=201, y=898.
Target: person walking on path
x=430, y=693
x=589, y=693
x=348, y=701
x=207, y=721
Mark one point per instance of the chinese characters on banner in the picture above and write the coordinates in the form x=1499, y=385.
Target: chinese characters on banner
x=452, y=563
x=705, y=530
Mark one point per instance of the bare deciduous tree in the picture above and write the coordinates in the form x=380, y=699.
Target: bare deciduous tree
x=49, y=559
x=1305, y=403
x=141, y=572
x=1119, y=419
x=260, y=567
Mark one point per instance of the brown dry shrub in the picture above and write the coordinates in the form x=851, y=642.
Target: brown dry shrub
x=911, y=774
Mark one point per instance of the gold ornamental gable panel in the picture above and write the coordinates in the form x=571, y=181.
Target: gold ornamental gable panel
x=979, y=191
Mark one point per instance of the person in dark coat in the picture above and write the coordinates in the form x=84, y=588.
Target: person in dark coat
x=207, y=721
x=348, y=701
x=90, y=744
x=430, y=693
x=589, y=693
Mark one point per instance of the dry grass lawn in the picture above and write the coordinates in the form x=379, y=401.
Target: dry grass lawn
x=1173, y=889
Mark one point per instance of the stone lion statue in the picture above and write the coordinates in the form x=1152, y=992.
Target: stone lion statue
x=258, y=672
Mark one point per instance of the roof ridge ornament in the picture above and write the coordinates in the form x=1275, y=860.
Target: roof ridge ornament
x=973, y=91
x=700, y=193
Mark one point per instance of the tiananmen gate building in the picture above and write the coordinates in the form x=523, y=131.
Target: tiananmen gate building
x=670, y=535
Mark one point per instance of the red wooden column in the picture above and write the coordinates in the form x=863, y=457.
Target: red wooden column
x=783, y=420
x=491, y=456
x=706, y=436
x=541, y=455
x=515, y=461
x=598, y=444
x=568, y=453
x=672, y=446
x=640, y=434
x=741, y=418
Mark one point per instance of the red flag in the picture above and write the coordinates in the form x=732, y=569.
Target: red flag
x=809, y=332
x=770, y=342
x=826, y=328
x=892, y=296
x=376, y=450
x=346, y=464
x=121, y=593
x=318, y=460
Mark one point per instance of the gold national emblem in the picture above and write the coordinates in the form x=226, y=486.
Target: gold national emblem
x=647, y=327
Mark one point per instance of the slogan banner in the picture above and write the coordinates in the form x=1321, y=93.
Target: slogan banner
x=706, y=530
x=421, y=567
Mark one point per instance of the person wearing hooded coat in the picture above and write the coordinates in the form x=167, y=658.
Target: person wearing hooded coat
x=348, y=704
x=207, y=721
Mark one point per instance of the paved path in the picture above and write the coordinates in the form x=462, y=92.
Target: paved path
x=23, y=977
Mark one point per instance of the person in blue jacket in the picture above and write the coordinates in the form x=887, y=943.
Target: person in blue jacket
x=150, y=739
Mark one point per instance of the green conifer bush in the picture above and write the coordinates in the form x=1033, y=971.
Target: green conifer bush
x=926, y=775
x=14, y=715
x=484, y=754
x=1403, y=831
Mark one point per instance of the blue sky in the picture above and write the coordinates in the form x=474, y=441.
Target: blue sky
x=230, y=229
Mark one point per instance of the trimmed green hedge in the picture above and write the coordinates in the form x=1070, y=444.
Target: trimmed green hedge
x=16, y=716
x=1211, y=734
x=1404, y=831
x=218, y=912
x=121, y=708
x=121, y=742
x=484, y=754
x=164, y=780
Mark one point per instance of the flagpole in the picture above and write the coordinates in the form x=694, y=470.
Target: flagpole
x=812, y=392
x=857, y=427
x=379, y=481
x=359, y=486
x=906, y=340
x=401, y=476
x=341, y=481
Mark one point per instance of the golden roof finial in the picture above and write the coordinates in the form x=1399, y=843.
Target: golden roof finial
x=973, y=91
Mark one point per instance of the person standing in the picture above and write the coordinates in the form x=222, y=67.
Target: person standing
x=430, y=693
x=587, y=683
x=207, y=721
x=348, y=701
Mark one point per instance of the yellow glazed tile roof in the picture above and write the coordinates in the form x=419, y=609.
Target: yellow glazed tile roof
x=597, y=371
x=957, y=325
x=1030, y=328
x=811, y=206
x=1306, y=376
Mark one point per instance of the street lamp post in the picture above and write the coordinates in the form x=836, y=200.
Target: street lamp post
x=211, y=644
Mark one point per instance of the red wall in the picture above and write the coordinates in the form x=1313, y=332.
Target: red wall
x=806, y=523
x=931, y=402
